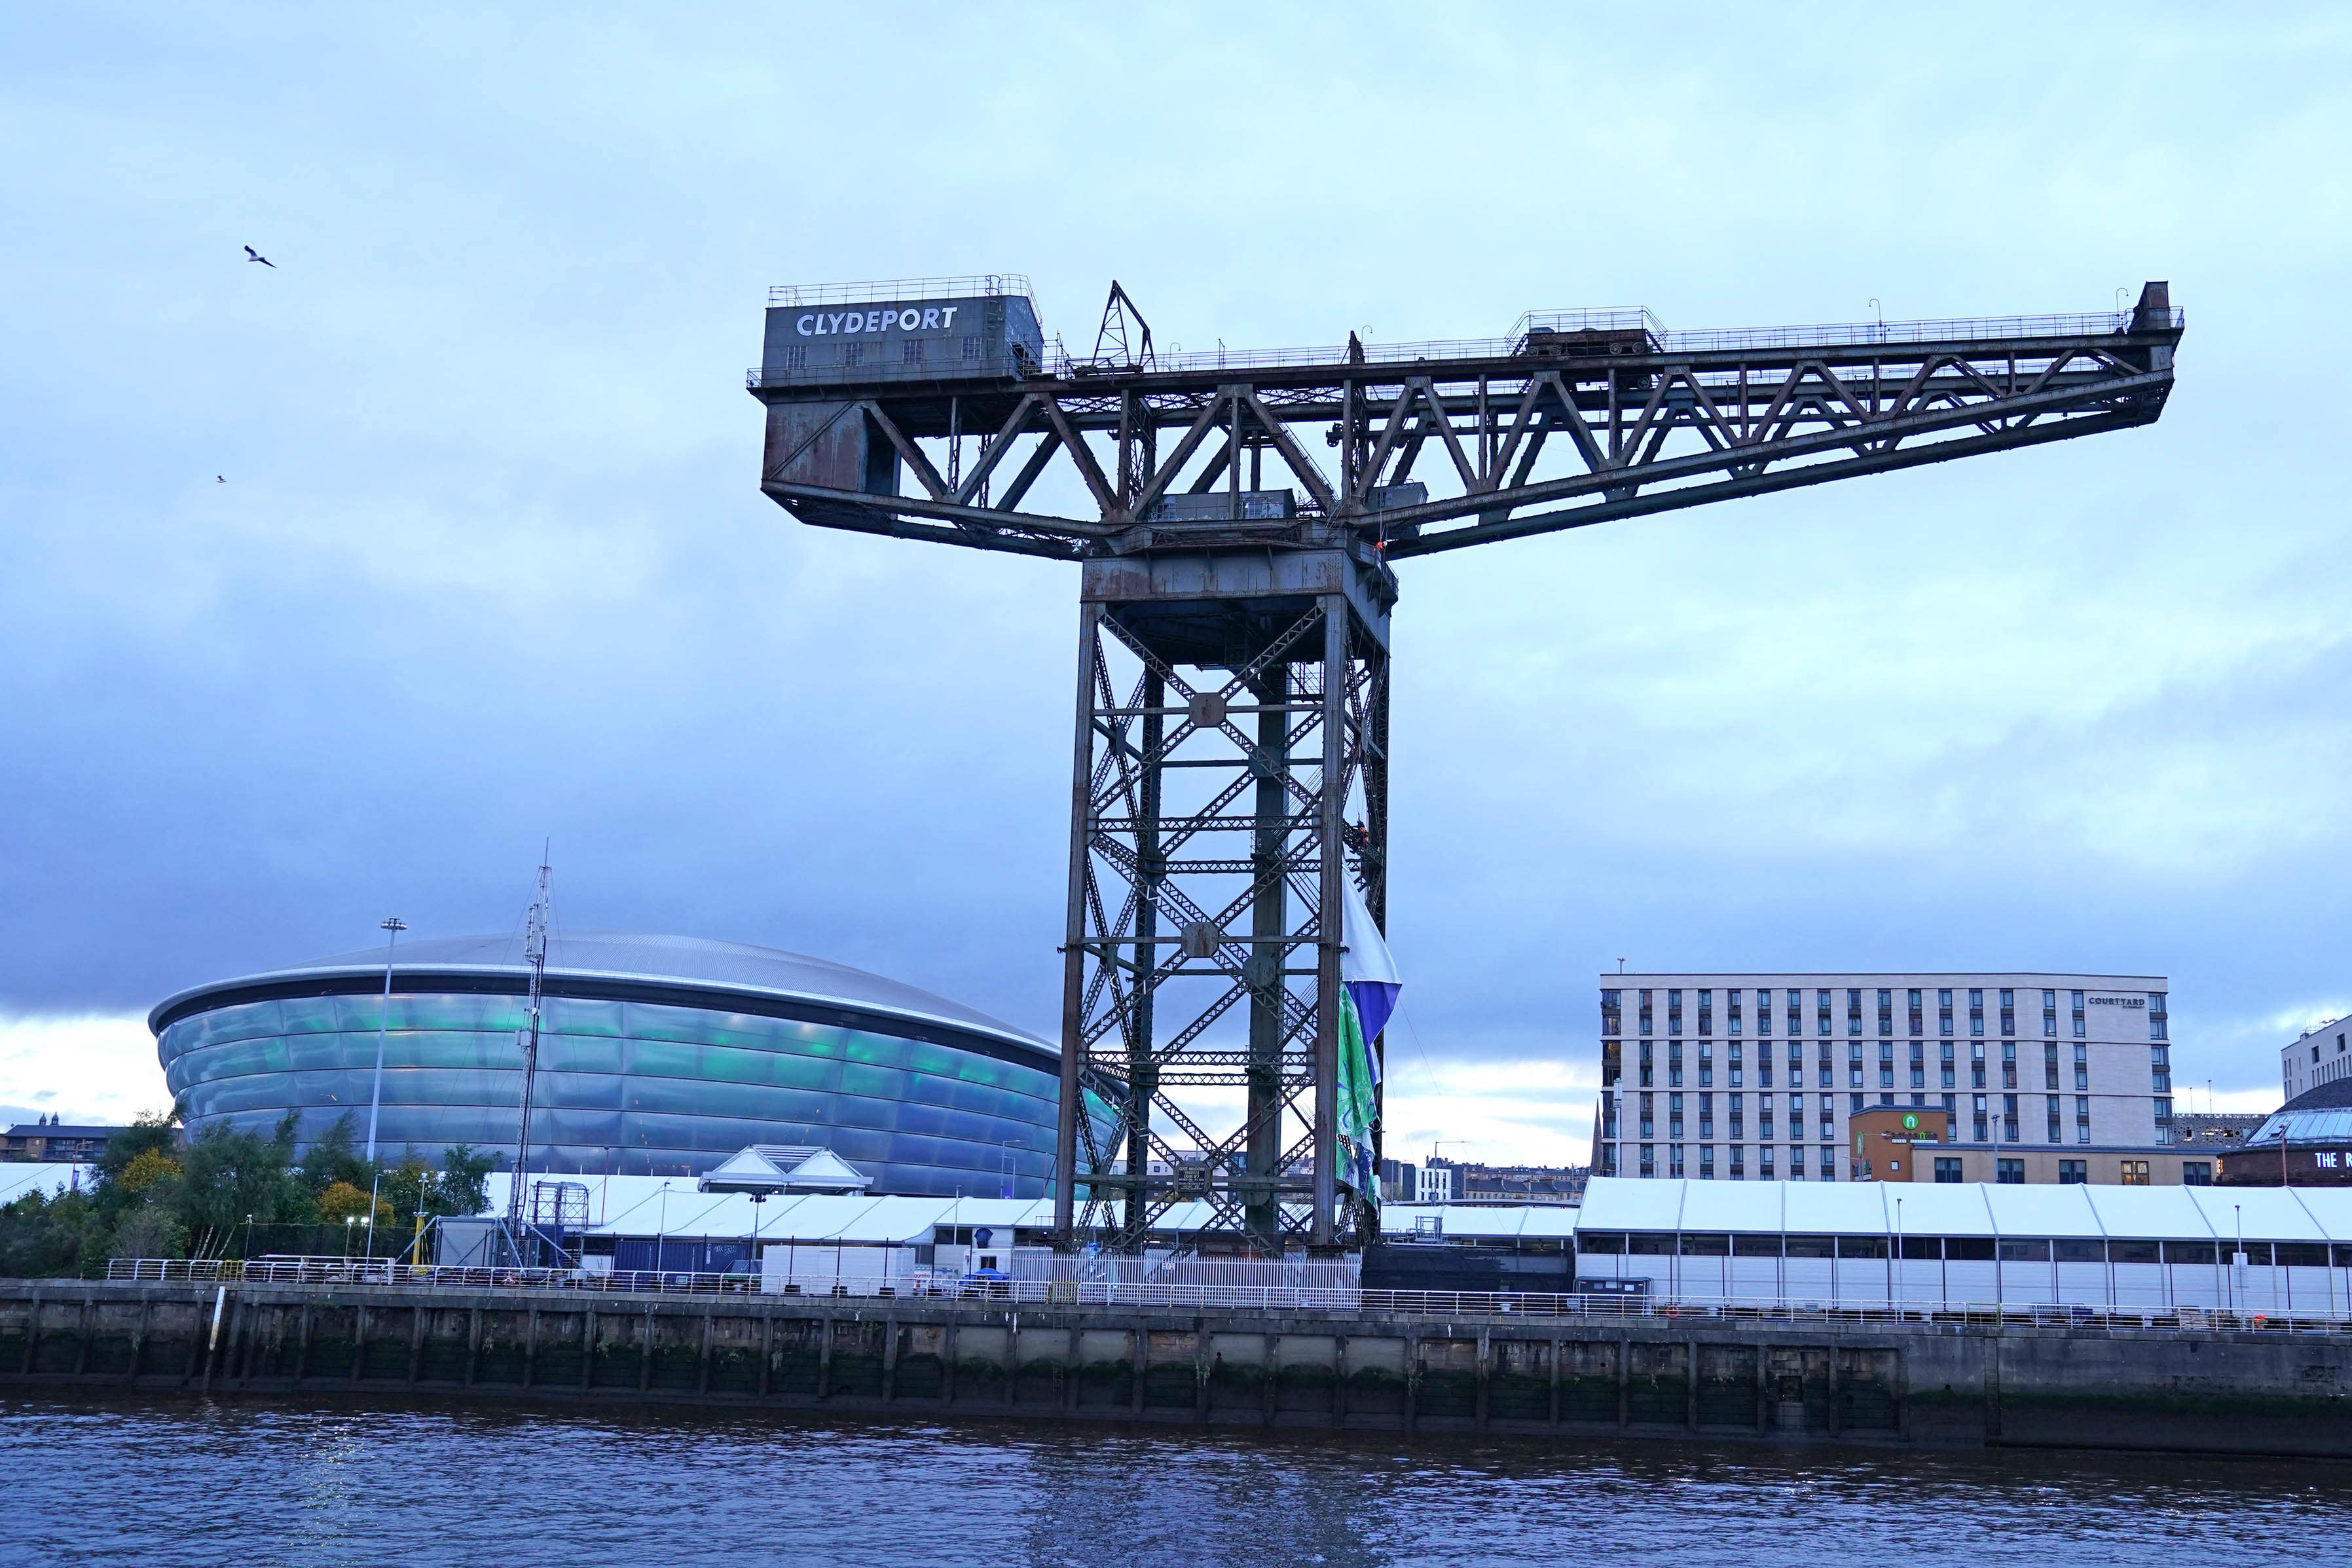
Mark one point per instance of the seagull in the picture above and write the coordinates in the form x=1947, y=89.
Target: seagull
x=253, y=255
x=220, y=478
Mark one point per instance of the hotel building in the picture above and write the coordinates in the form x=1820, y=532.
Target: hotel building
x=2030, y=1077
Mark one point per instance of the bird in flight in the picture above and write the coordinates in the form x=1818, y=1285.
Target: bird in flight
x=253, y=255
x=220, y=478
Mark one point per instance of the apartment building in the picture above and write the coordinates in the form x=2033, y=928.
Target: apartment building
x=1754, y=1076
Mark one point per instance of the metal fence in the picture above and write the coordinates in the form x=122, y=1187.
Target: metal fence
x=1453, y=1305
x=889, y=289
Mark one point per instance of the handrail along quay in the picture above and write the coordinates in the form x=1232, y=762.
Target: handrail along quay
x=1286, y=1300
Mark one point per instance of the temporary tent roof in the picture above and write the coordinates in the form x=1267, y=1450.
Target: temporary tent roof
x=770, y=1168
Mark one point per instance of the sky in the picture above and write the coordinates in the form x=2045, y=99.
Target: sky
x=332, y=589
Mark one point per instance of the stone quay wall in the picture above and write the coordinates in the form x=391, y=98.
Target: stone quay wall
x=1964, y=1384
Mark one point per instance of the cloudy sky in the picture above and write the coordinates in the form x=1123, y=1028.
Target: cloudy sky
x=491, y=564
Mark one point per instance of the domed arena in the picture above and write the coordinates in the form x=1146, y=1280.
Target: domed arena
x=658, y=1056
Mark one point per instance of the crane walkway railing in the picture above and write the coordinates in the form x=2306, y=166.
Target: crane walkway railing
x=943, y=1286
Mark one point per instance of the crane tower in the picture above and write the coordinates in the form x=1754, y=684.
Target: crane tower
x=1238, y=522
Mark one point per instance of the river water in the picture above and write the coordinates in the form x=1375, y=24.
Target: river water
x=255, y=1483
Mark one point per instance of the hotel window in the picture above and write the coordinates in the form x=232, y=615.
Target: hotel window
x=2134, y=1173
x=1675, y=1161
x=1853, y=1104
x=1821, y=1012
x=2009, y=1118
x=1608, y=1115
x=1674, y=1064
x=1649, y=1127
x=2079, y=1029
x=1854, y=1009
x=1952, y=1109
x=1706, y=1064
x=1648, y=1069
x=1731, y=1007
x=2008, y=1172
x=1975, y=1013
x=1886, y=1065
x=2082, y=1118
x=1673, y=1116
x=1947, y=1168
x=1853, y=1065
x=2009, y=1065
x=1949, y=1081
x=2050, y=1067
x=1612, y=1016
x=1918, y=1064
x=1886, y=1012
x=1736, y=1104
x=2156, y=1020
x=1829, y=1163
x=2055, y=1136
x=1733, y=1062
x=1764, y=1064
x=1797, y=1116
x=1944, y=1011
x=2164, y=1121
x=1609, y=1160
x=1738, y=1171
x=1706, y=1116
x=1706, y=1162
x=2050, y=1014
x=1918, y=1019
x=1984, y=1136
x=1706, y=1012
x=2082, y=1069
x=1643, y=1014
x=1764, y=1012
x=2008, y=1011
x=2160, y=1068
x=1673, y=1012
x=2197, y=1173
x=1976, y=1066
x=2073, y=1173
x=1764, y=1117
x=1649, y=1159
x=1764, y=1162
x=1825, y=1067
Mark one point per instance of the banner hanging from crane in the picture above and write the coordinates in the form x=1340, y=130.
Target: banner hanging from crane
x=1368, y=996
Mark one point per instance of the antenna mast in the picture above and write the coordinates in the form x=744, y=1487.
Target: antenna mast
x=534, y=952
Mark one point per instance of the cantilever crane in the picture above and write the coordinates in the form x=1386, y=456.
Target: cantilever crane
x=1230, y=764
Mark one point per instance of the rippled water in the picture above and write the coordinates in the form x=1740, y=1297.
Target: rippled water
x=287, y=1483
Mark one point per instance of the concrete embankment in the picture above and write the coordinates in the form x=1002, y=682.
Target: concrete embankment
x=1912, y=1384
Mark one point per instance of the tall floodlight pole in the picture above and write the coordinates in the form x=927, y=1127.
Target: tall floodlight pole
x=392, y=926
x=1231, y=733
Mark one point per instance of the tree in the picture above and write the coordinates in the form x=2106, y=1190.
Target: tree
x=342, y=1201
x=334, y=1156
x=464, y=1186
x=230, y=1177
x=150, y=1232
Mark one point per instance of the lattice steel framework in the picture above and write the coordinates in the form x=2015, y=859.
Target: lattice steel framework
x=1231, y=747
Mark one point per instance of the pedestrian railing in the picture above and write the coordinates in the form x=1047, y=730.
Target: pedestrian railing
x=936, y=1286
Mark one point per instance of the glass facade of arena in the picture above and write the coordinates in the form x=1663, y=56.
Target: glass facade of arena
x=627, y=1088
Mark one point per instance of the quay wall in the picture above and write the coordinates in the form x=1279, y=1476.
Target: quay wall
x=1968, y=1384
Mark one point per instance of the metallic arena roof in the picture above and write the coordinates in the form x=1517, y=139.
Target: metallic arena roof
x=669, y=964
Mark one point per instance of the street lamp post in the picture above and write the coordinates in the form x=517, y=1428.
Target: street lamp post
x=392, y=925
